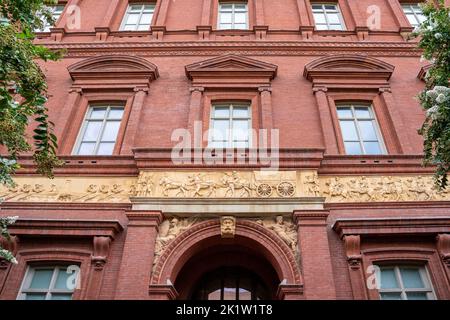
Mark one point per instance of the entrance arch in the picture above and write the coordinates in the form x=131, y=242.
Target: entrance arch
x=250, y=238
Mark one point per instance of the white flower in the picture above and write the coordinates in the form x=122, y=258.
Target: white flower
x=11, y=220
x=432, y=94
x=441, y=98
x=14, y=260
x=438, y=35
x=441, y=89
x=432, y=112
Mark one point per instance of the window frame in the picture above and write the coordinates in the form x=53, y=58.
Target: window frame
x=29, y=275
x=127, y=13
x=324, y=12
x=411, y=5
x=230, y=143
x=352, y=105
x=233, y=3
x=424, y=275
x=84, y=124
x=46, y=27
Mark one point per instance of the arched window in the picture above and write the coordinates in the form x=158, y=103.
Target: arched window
x=231, y=283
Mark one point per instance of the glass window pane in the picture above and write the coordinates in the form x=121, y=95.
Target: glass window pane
x=240, y=7
x=136, y=7
x=319, y=18
x=130, y=27
x=146, y=18
x=86, y=149
x=105, y=149
x=226, y=6
x=92, y=131
x=317, y=7
x=97, y=113
x=331, y=7
x=241, y=144
x=149, y=8
x=215, y=295
x=390, y=296
x=111, y=130
x=349, y=130
x=352, y=148
x=143, y=27
x=321, y=27
x=41, y=279
x=240, y=112
x=417, y=296
x=244, y=294
x=61, y=279
x=61, y=296
x=412, y=19
x=221, y=112
x=133, y=19
x=368, y=132
x=411, y=278
x=333, y=18
x=407, y=9
x=336, y=27
x=115, y=113
x=344, y=113
x=220, y=130
x=388, y=279
x=362, y=113
x=240, y=26
x=240, y=130
x=372, y=148
x=35, y=296
x=225, y=18
x=225, y=26
x=240, y=18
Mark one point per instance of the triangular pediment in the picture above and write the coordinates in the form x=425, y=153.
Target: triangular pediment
x=231, y=63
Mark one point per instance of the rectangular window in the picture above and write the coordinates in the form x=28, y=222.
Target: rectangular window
x=230, y=126
x=138, y=17
x=233, y=15
x=99, y=131
x=56, y=14
x=405, y=283
x=47, y=283
x=359, y=130
x=414, y=13
x=327, y=16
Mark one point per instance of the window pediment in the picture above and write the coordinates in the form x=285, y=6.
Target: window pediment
x=348, y=69
x=113, y=70
x=231, y=70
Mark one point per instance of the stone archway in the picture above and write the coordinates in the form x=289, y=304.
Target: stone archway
x=192, y=241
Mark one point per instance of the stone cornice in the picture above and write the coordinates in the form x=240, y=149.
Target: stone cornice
x=183, y=48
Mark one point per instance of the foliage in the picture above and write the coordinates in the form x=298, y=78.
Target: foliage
x=4, y=223
x=23, y=88
x=434, y=35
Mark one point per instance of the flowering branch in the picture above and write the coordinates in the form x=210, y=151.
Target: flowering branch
x=4, y=223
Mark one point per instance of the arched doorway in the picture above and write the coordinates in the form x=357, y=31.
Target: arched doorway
x=227, y=270
x=188, y=260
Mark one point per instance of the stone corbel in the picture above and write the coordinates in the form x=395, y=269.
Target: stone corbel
x=101, y=252
x=11, y=245
x=290, y=291
x=362, y=33
x=158, y=32
x=102, y=33
x=162, y=292
x=57, y=34
x=443, y=246
x=204, y=32
x=353, y=251
x=260, y=32
x=405, y=32
x=306, y=32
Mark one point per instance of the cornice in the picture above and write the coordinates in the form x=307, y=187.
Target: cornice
x=206, y=48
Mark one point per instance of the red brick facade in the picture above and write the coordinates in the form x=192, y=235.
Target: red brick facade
x=293, y=77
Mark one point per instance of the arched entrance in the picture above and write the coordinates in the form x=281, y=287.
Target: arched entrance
x=255, y=264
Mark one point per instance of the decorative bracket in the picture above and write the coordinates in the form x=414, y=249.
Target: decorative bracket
x=10, y=245
x=353, y=251
x=443, y=246
x=101, y=252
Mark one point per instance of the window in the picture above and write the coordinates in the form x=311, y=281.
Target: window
x=138, y=17
x=405, y=283
x=99, y=132
x=414, y=14
x=230, y=126
x=231, y=283
x=233, y=15
x=359, y=130
x=47, y=283
x=327, y=16
x=56, y=12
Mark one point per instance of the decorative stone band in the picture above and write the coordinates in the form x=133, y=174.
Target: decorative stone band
x=225, y=185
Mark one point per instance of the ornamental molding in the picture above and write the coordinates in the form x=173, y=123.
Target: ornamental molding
x=168, y=189
x=230, y=69
x=113, y=70
x=348, y=69
x=262, y=48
